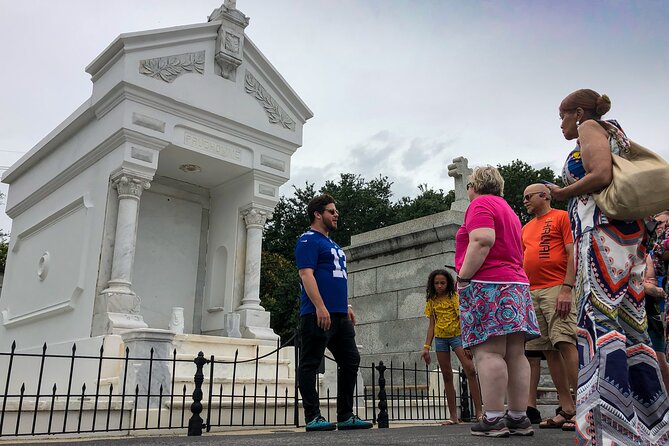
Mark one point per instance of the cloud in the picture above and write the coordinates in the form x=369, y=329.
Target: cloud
x=406, y=162
x=423, y=152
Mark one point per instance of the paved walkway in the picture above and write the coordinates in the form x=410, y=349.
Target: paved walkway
x=396, y=435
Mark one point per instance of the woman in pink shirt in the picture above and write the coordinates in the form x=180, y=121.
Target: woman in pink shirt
x=496, y=313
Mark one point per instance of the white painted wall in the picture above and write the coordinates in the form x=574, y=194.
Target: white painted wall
x=68, y=224
x=166, y=258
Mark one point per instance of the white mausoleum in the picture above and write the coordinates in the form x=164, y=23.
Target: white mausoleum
x=152, y=195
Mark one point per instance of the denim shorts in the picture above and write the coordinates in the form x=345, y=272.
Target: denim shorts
x=447, y=344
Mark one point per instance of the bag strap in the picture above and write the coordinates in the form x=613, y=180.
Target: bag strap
x=609, y=128
x=615, y=133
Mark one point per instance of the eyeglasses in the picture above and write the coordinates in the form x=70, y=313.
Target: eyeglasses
x=331, y=211
x=527, y=197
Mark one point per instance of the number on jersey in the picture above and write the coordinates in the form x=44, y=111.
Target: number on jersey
x=339, y=263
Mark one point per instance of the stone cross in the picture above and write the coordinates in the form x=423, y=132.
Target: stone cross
x=460, y=172
x=230, y=4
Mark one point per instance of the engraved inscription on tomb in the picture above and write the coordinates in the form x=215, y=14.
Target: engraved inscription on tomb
x=210, y=145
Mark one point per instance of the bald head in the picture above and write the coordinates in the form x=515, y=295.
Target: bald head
x=537, y=199
x=537, y=187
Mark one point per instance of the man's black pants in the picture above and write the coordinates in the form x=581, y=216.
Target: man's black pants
x=340, y=339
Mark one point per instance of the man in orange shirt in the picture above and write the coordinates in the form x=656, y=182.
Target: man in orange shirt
x=549, y=264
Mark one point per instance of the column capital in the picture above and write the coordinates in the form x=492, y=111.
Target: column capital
x=256, y=217
x=129, y=186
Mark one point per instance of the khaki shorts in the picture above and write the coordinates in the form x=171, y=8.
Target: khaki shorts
x=553, y=329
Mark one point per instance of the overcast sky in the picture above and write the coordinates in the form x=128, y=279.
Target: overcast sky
x=398, y=88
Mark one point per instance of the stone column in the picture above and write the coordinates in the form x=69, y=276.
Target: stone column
x=123, y=305
x=254, y=320
x=255, y=220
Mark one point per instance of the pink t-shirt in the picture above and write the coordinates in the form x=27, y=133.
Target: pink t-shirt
x=505, y=259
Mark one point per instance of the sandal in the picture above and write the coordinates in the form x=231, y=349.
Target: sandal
x=551, y=423
x=449, y=423
x=569, y=426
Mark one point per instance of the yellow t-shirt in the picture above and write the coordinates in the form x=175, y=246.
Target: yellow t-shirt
x=446, y=310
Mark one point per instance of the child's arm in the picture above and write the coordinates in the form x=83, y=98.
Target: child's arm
x=425, y=354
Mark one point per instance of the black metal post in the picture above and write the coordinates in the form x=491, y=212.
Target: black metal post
x=195, y=424
x=211, y=389
x=465, y=413
x=69, y=387
x=296, y=406
x=39, y=388
x=9, y=375
x=382, y=419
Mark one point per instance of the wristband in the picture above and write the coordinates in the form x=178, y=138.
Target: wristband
x=461, y=279
x=571, y=287
x=427, y=346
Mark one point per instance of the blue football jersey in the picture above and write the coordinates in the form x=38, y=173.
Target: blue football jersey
x=318, y=252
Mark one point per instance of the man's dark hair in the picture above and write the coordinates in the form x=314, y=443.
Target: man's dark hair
x=317, y=204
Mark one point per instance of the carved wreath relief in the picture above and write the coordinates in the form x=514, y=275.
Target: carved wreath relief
x=274, y=112
x=169, y=68
x=232, y=43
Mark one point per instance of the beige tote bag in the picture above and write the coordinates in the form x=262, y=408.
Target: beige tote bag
x=640, y=184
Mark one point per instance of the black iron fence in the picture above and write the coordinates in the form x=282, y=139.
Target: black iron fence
x=48, y=393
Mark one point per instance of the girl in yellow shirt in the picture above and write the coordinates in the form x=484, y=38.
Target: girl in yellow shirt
x=442, y=307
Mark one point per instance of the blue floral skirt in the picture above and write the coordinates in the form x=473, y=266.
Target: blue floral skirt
x=496, y=309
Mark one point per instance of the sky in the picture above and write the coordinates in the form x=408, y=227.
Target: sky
x=398, y=88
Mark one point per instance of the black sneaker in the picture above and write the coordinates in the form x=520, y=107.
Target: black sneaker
x=534, y=415
x=495, y=428
x=521, y=426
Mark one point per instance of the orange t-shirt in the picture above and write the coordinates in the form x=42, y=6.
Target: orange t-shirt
x=545, y=256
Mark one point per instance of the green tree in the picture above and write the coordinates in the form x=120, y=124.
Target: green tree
x=428, y=202
x=363, y=205
x=279, y=292
x=4, y=245
x=517, y=176
x=288, y=222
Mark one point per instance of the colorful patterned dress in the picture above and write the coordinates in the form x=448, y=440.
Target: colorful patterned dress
x=620, y=398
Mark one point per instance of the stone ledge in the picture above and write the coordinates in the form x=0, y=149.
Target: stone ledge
x=421, y=231
x=428, y=222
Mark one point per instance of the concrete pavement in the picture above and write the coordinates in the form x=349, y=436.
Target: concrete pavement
x=396, y=435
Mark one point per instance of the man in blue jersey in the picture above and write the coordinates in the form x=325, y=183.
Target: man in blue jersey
x=326, y=319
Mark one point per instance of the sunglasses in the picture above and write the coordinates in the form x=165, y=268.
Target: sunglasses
x=527, y=197
x=470, y=185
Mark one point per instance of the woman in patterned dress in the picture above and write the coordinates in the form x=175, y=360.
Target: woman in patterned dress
x=496, y=313
x=620, y=397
